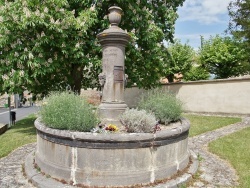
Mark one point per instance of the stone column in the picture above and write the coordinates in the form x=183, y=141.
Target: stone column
x=112, y=79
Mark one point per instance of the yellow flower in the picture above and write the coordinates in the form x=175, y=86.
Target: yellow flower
x=112, y=127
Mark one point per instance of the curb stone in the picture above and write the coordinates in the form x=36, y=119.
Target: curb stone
x=3, y=128
x=37, y=178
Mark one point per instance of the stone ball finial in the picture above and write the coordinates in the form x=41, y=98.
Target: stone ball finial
x=115, y=15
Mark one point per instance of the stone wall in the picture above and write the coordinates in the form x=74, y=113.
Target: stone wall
x=226, y=96
x=92, y=96
x=229, y=96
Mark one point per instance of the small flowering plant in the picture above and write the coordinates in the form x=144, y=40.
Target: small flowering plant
x=102, y=128
x=111, y=127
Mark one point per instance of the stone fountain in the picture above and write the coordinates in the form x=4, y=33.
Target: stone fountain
x=111, y=160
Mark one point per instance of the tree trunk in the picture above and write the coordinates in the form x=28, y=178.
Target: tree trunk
x=77, y=76
x=170, y=78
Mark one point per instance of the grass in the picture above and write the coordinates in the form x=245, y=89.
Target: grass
x=22, y=133
x=202, y=124
x=235, y=148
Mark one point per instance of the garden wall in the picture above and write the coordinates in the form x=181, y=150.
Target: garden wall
x=229, y=96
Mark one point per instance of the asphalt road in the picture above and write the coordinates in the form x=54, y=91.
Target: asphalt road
x=20, y=113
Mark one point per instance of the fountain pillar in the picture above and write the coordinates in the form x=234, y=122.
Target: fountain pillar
x=112, y=79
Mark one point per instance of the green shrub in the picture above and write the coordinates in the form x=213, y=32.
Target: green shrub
x=166, y=107
x=138, y=121
x=68, y=111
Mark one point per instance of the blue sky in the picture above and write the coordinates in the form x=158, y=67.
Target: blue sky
x=201, y=17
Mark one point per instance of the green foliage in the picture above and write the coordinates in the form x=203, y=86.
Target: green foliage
x=180, y=60
x=224, y=57
x=68, y=111
x=164, y=105
x=138, y=121
x=43, y=43
x=196, y=73
x=235, y=149
x=48, y=45
x=239, y=24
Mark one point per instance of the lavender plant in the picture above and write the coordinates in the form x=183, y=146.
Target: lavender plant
x=68, y=111
x=138, y=121
x=164, y=105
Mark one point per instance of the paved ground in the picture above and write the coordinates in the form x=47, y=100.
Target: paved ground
x=11, y=172
x=214, y=171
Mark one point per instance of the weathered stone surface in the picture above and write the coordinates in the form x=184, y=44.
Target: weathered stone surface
x=112, y=79
x=122, y=159
x=42, y=181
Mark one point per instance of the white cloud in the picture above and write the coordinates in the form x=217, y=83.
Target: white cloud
x=204, y=11
x=194, y=40
x=194, y=36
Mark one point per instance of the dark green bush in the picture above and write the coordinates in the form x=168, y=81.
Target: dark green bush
x=166, y=107
x=68, y=111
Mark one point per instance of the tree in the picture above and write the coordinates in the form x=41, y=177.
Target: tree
x=239, y=25
x=48, y=45
x=223, y=56
x=196, y=73
x=180, y=59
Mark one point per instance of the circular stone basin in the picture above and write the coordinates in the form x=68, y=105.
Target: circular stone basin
x=115, y=159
